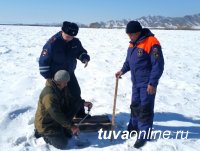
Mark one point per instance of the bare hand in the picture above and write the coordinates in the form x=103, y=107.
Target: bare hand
x=118, y=74
x=151, y=90
x=75, y=130
x=88, y=104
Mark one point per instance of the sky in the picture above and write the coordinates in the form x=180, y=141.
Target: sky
x=87, y=11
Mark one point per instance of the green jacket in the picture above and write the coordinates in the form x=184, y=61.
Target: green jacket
x=55, y=110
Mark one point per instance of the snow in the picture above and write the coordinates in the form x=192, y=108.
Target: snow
x=177, y=101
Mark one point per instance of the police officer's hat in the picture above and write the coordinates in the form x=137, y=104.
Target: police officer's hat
x=70, y=28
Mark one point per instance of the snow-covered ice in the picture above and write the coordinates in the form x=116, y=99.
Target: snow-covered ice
x=177, y=102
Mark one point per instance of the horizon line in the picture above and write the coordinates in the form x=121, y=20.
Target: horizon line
x=97, y=21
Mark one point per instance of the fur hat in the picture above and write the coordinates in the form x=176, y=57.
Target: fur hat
x=70, y=28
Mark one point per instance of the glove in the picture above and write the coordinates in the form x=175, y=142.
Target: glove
x=84, y=57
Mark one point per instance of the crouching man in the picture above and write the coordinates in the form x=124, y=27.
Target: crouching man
x=56, y=110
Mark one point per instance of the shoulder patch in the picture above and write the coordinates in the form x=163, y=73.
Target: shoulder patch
x=155, y=53
x=140, y=52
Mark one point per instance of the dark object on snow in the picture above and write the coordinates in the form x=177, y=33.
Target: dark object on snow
x=94, y=123
x=139, y=143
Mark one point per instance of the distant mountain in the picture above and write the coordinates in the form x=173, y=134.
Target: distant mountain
x=161, y=22
x=186, y=22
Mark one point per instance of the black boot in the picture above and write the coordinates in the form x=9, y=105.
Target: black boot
x=139, y=143
x=36, y=134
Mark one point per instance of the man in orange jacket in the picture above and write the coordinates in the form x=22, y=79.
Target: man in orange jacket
x=146, y=63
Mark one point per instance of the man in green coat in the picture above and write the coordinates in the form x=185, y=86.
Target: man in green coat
x=56, y=110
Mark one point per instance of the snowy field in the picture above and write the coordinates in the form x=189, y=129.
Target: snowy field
x=177, y=102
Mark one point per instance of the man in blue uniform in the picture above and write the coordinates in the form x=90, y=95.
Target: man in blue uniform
x=61, y=53
x=146, y=63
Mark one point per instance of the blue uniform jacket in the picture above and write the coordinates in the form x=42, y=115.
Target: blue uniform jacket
x=144, y=60
x=58, y=54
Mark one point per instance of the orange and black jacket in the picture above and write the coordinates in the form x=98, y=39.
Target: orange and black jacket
x=144, y=60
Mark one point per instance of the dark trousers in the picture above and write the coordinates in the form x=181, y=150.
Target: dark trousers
x=75, y=91
x=142, y=110
x=58, y=140
x=74, y=86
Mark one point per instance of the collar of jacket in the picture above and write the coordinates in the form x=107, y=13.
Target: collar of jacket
x=52, y=84
x=60, y=37
x=144, y=34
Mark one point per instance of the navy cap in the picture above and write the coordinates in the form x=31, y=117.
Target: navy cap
x=133, y=27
